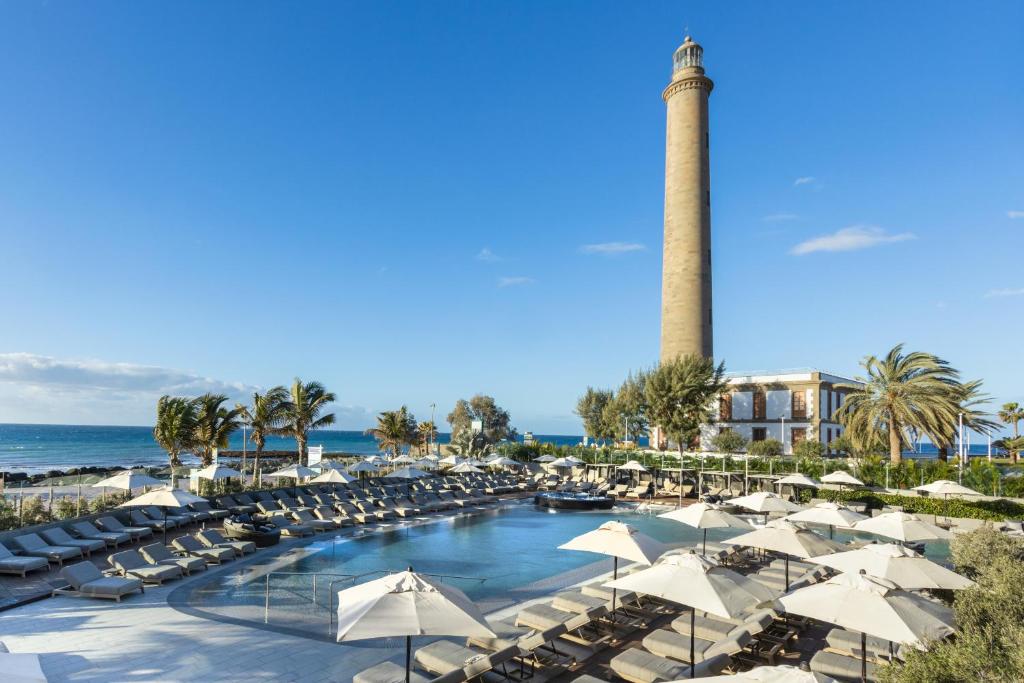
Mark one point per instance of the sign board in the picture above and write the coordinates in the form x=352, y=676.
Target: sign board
x=477, y=426
x=316, y=454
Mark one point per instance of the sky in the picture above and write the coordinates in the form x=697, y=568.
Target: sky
x=413, y=202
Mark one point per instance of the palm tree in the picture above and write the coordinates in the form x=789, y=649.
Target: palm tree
x=175, y=426
x=394, y=429
x=266, y=417
x=214, y=424
x=1012, y=414
x=426, y=433
x=902, y=392
x=303, y=412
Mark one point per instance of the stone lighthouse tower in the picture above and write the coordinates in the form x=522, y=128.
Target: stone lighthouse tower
x=686, y=260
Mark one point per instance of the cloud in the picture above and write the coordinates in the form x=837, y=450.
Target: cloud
x=850, y=239
x=780, y=217
x=611, y=248
x=486, y=254
x=515, y=281
x=1015, y=214
x=803, y=180
x=1004, y=292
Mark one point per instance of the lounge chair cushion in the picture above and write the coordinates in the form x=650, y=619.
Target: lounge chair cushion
x=58, y=536
x=543, y=616
x=639, y=665
x=576, y=601
x=131, y=563
x=159, y=554
x=13, y=564
x=849, y=641
x=388, y=672
x=32, y=544
x=85, y=578
x=841, y=667
x=443, y=656
x=677, y=646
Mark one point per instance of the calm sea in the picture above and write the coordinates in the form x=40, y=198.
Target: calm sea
x=38, y=448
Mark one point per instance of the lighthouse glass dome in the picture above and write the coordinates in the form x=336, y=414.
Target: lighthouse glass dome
x=688, y=54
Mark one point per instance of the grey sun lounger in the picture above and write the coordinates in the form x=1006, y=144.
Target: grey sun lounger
x=212, y=538
x=319, y=525
x=389, y=672
x=841, y=667
x=137, y=517
x=676, y=646
x=213, y=512
x=113, y=539
x=639, y=666
x=131, y=563
x=191, y=546
x=848, y=642
x=157, y=553
x=444, y=656
x=114, y=525
x=32, y=544
x=86, y=580
x=329, y=514
x=715, y=628
x=13, y=564
x=57, y=536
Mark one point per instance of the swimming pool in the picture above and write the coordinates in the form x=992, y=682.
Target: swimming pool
x=498, y=557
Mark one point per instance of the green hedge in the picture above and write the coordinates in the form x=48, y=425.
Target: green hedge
x=994, y=510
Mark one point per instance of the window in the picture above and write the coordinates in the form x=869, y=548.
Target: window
x=797, y=434
x=725, y=407
x=799, y=404
x=759, y=405
x=759, y=434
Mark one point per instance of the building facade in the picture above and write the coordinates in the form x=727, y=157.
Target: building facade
x=789, y=406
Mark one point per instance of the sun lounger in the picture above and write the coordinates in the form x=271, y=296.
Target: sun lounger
x=14, y=564
x=138, y=518
x=848, y=643
x=157, y=553
x=34, y=546
x=841, y=667
x=676, y=646
x=235, y=505
x=715, y=628
x=213, y=512
x=57, y=536
x=371, y=509
x=389, y=672
x=86, y=580
x=444, y=656
x=639, y=666
x=291, y=527
x=586, y=678
x=318, y=525
x=131, y=563
x=89, y=532
x=578, y=602
x=579, y=628
x=327, y=513
x=192, y=547
x=212, y=538
x=112, y=524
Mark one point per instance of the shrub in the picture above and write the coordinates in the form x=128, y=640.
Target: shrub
x=993, y=510
x=808, y=449
x=66, y=508
x=767, y=447
x=34, y=511
x=729, y=441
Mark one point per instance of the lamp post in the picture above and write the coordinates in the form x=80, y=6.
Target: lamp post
x=782, y=433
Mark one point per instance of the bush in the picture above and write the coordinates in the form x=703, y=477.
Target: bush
x=66, y=508
x=808, y=449
x=729, y=441
x=767, y=447
x=34, y=511
x=993, y=510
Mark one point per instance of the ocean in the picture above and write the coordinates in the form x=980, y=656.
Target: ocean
x=38, y=448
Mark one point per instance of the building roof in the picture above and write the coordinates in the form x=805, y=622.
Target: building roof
x=783, y=375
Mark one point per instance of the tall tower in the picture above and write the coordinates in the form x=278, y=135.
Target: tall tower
x=686, y=260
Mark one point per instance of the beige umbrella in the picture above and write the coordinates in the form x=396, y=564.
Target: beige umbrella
x=164, y=498
x=902, y=527
x=946, y=488
x=466, y=468
x=20, y=667
x=873, y=607
x=632, y=466
x=705, y=516
x=294, y=472
x=797, y=480
x=332, y=476
x=842, y=478
x=214, y=472
x=407, y=473
x=899, y=564
x=617, y=540
x=700, y=584
x=765, y=502
x=831, y=514
x=545, y=458
x=785, y=537
x=782, y=673
x=407, y=604
x=128, y=480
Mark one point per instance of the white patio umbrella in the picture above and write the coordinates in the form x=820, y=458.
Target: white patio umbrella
x=425, y=464
x=19, y=667
x=214, y=472
x=325, y=465
x=465, y=467
x=785, y=537
x=899, y=564
x=407, y=604
x=874, y=607
x=332, y=476
x=700, y=584
x=128, y=480
x=562, y=462
x=617, y=540
x=783, y=673
x=798, y=480
x=293, y=472
x=842, y=478
x=407, y=473
x=632, y=466
x=376, y=459
x=402, y=460
x=902, y=527
x=164, y=498
x=451, y=460
x=765, y=502
x=545, y=458
x=431, y=457
x=831, y=514
x=946, y=488
x=362, y=466
x=705, y=516
x=502, y=462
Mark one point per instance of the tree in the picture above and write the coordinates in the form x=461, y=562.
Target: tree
x=970, y=399
x=214, y=425
x=809, y=449
x=426, y=434
x=728, y=441
x=175, y=426
x=901, y=392
x=266, y=417
x=1012, y=414
x=494, y=419
x=1013, y=445
x=395, y=428
x=681, y=394
x=593, y=409
x=628, y=411
x=303, y=412
x=765, y=447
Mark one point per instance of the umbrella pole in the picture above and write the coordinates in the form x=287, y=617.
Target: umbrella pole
x=615, y=575
x=165, y=525
x=863, y=657
x=408, y=657
x=704, y=550
x=693, y=619
x=787, y=573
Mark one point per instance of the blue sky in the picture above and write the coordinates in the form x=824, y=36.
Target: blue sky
x=403, y=199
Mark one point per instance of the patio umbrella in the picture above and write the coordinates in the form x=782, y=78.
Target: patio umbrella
x=785, y=537
x=293, y=472
x=128, y=480
x=325, y=465
x=782, y=673
x=700, y=584
x=403, y=460
x=632, y=466
x=617, y=540
x=831, y=514
x=902, y=527
x=946, y=488
x=573, y=459
x=545, y=458
x=503, y=462
x=332, y=476
x=214, y=472
x=465, y=467
x=705, y=516
x=425, y=464
x=562, y=462
x=796, y=480
x=450, y=460
x=376, y=459
x=407, y=604
x=899, y=564
x=362, y=466
x=407, y=473
x=842, y=478
x=874, y=607
x=765, y=502
x=20, y=667
x=164, y=498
